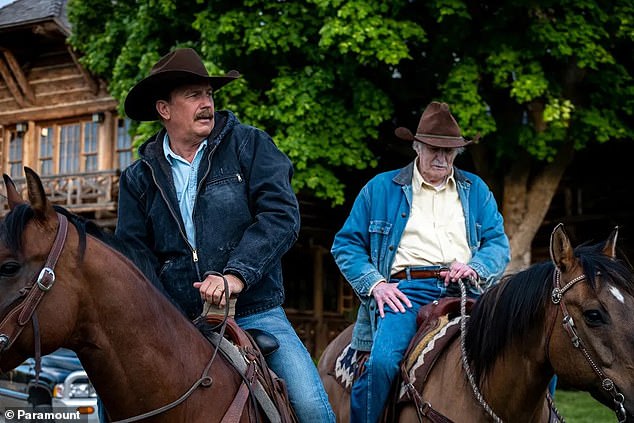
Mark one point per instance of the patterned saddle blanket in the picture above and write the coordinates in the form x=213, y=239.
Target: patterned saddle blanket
x=438, y=325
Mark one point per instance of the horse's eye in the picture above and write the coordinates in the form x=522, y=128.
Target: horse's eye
x=9, y=268
x=593, y=318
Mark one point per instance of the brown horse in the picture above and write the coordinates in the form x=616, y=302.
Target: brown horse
x=571, y=317
x=139, y=351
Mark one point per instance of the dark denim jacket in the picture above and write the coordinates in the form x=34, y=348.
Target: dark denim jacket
x=246, y=216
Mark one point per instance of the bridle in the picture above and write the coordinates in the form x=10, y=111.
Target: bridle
x=568, y=323
x=16, y=320
x=606, y=383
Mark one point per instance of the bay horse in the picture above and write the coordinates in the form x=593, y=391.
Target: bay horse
x=139, y=351
x=572, y=316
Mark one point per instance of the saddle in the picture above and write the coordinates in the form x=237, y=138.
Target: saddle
x=241, y=350
x=438, y=325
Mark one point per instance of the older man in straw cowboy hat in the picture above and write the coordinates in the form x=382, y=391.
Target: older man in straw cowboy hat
x=211, y=197
x=411, y=235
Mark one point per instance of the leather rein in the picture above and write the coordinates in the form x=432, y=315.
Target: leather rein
x=568, y=323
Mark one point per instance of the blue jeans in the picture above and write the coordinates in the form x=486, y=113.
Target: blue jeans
x=293, y=363
x=393, y=333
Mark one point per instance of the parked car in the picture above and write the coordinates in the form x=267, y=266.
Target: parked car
x=63, y=383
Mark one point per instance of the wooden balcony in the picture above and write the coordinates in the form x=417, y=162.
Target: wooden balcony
x=91, y=193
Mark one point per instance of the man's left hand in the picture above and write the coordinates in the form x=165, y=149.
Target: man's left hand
x=458, y=271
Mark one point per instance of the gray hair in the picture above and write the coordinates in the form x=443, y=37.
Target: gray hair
x=418, y=145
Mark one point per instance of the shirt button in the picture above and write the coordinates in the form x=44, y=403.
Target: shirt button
x=391, y=247
x=403, y=214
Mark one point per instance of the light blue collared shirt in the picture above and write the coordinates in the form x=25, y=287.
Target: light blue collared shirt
x=185, y=176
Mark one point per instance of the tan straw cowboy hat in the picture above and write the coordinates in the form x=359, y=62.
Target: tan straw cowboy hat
x=437, y=127
x=178, y=67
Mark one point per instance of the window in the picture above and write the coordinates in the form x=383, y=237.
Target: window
x=69, y=141
x=124, y=143
x=15, y=154
x=90, y=147
x=68, y=148
x=46, y=151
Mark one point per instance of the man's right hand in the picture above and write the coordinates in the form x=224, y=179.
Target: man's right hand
x=212, y=289
x=388, y=294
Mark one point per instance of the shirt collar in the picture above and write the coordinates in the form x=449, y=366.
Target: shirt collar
x=418, y=182
x=170, y=155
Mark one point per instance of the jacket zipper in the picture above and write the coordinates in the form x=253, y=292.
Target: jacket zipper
x=175, y=217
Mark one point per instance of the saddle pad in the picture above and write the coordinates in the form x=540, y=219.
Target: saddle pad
x=423, y=352
x=345, y=367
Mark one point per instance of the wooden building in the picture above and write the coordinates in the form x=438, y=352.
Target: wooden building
x=58, y=119
x=54, y=116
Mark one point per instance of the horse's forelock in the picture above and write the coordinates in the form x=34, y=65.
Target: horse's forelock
x=594, y=263
x=13, y=225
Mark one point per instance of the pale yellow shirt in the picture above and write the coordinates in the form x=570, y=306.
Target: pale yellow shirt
x=435, y=233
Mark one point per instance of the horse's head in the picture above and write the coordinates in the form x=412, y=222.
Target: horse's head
x=592, y=342
x=32, y=236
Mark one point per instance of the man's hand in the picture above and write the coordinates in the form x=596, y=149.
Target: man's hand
x=458, y=271
x=212, y=289
x=388, y=294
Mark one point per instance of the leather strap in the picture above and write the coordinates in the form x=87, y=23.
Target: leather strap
x=418, y=274
x=237, y=406
x=11, y=326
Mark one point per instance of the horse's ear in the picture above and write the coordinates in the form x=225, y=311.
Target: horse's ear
x=13, y=196
x=609, y=249
x=37, y=196
x=561, y=252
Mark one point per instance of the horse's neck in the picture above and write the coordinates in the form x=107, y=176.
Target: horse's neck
x=517, y=384
x=511, y=389
x=131, y=339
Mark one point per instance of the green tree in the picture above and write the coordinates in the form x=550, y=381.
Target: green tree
x=329, y=79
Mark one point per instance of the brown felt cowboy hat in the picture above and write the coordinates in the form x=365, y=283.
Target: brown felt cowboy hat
x=437, y=127
x=178, y=67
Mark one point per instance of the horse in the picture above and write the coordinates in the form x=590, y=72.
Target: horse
x=62, y=285
x=570, y=316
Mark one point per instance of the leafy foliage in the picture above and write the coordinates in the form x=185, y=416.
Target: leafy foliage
x=328, y=78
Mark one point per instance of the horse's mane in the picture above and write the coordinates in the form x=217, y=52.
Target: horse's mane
x=508, y=311
x=15, y=221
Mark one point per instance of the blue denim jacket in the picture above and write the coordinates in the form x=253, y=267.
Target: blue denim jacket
x=246, y=217
x=365, y=247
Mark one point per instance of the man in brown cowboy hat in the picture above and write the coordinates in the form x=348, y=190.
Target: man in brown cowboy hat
x=210, y=198
x=411, y=235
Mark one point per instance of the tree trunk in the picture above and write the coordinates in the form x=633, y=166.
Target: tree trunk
x=527, y=200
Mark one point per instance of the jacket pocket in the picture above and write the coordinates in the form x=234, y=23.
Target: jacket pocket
x=226, y=179
x=224, y=197
x=379, y=237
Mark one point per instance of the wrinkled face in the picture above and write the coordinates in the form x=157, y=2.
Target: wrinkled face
x=188, y=116
x=434, y=163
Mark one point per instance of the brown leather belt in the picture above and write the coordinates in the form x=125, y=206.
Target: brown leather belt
x=418, y=274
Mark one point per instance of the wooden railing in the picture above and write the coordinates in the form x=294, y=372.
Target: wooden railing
x=78, y=192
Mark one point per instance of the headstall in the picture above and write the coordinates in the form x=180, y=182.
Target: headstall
x=569, y=325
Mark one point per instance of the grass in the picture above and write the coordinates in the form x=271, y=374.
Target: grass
x=580, y=407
